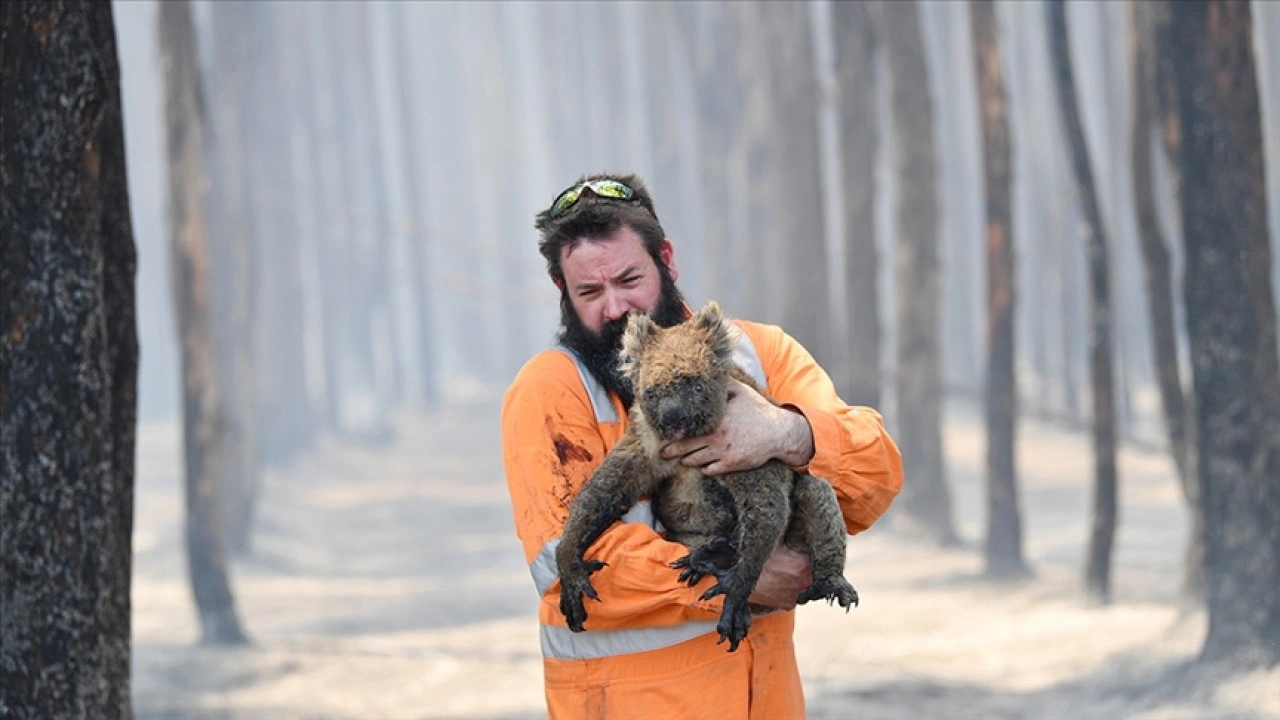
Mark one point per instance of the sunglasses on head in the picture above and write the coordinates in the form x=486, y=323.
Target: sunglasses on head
x=603, y=187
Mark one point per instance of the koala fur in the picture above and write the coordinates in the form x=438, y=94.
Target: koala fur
x=730, y=523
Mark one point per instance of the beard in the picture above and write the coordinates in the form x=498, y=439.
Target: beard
x=599, y=351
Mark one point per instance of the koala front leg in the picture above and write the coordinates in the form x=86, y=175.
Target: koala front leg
x=763, y=500
x=616, y=485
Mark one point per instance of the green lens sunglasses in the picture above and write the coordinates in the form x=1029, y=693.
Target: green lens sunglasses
x=603, y=187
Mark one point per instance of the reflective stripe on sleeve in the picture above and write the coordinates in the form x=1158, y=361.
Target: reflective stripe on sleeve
x=561, y=643
x=544, y=569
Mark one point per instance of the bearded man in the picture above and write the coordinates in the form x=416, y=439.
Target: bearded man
x=650, y=647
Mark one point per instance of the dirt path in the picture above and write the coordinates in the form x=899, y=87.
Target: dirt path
x=388, y=583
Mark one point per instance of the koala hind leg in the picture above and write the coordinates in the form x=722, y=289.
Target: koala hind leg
x=817, y=529
x=764, y=504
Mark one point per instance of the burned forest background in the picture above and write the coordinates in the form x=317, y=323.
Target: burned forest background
x=1059, y=212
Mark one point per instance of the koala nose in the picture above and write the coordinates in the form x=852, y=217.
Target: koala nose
x=671, y=415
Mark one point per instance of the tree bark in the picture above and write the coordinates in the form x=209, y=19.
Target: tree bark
x=204, y=426
x=855, y=44
x=1158, y=274
x=1102, y=528
x=926, y=499
x=1231, y=322
x=233, y=264
x=69, y=359
x=1003, y=550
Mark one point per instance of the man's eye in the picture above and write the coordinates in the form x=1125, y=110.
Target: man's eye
x=586, y=294
x=628, y=281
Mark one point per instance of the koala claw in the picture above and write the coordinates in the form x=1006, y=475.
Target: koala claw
x=713, y=558
x=734, y=623
x=834, y=589
x=574, y=584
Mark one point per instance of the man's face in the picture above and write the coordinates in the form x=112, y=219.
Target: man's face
x=605, y=280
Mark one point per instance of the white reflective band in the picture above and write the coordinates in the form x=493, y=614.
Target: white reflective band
x=600, y=401
x=561, y=643
x=544, y=568
x=746, y=357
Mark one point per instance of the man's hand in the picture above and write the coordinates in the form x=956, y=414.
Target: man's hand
x=785, y=576
x=752, y=432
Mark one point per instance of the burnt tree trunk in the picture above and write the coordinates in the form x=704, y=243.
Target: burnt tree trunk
x=233, y=261
x=1231, y=323
x=1102, y=528
x=1158, y=273
x=1004, y=521
x=203, y=425
x=417, y=239
x=285, y=421
x=855, y=45
x=69, y=363
x=926, y=499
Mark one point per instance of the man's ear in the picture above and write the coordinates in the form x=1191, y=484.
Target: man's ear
x=559, y=283
x=667, y=254
x=641, y=329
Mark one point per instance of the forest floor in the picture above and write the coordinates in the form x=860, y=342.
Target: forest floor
x=388, y=582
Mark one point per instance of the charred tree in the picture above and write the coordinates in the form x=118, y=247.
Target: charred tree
x=234, y=262
x=1231, y=323
x=855, y=45
x=926, y=499
x=284, y=414
x=415, y=186
x=1158, y=274
x=789, y=195
x=1102, y=528
x=203, y=424
x=69, y=359
x=1003, y=550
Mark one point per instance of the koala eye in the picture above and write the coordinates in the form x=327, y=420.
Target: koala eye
x=697, y=387
x=650, y=393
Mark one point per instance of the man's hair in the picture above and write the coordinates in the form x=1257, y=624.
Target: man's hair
x=597, y=217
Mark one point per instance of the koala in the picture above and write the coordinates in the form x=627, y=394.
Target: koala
x=730, y=523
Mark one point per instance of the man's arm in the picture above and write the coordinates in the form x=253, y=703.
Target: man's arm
x=551, y=446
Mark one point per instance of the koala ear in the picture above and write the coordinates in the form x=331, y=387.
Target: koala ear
x=640, y=330
x=722, y=335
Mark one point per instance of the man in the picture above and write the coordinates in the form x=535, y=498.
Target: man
x=650, y=649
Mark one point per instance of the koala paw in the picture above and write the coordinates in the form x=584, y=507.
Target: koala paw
x=713, y=558
x=834, y=588
x=735, y=621
x=574, y=583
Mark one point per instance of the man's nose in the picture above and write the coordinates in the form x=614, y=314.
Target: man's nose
x=615, y=305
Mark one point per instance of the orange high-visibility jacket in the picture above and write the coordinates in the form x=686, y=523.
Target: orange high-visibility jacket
x=650, y=647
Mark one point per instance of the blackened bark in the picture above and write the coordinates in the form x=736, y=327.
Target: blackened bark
x=1231, y=323
x=411, y=128
x=1004, y=522
x=926, y=499
x=1102, y=528
x=285, y=422
x=859, y=134
x=1157, y=272
x=69, y=359
x=234, y=262
x=203, y=427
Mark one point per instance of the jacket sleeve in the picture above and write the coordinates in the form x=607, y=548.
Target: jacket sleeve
x=551, y=444
x=852, y=449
